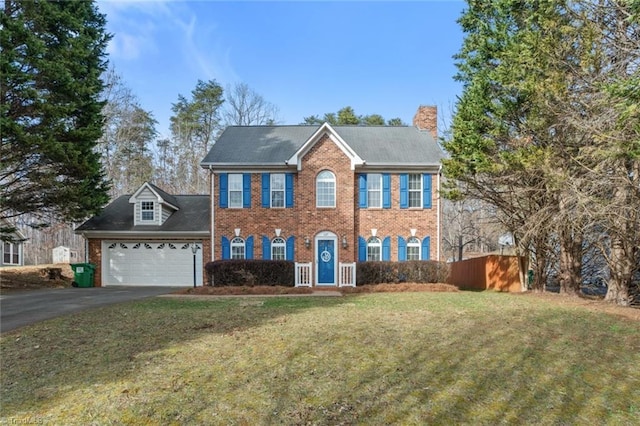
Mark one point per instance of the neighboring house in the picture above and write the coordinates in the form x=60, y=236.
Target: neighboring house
x=324, y=195
x=62, y=254
x=11, y=250
x=149, y=238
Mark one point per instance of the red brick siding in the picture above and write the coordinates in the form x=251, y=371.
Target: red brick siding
x=396, y=222
x=306, y=220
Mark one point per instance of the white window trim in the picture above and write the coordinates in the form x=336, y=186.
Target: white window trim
x=14, y=248
x=409, y=190
x=411, y=242
x=238, y=242
x=231, y=177
x=153, y=209
x=326, y=180
x=371, y=178
x=374, y=242
x=272, y=191
x=279, y=242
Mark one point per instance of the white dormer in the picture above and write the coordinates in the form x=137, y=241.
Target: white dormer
x=152, y=206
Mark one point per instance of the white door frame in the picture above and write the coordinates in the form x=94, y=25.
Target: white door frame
x=326, y=235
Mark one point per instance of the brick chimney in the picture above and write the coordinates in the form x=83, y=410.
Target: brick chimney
x=426, y=118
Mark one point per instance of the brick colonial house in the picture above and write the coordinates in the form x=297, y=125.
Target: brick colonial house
x=322, y=196
x=325, y=195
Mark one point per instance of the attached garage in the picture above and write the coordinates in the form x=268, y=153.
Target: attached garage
x=152, y=263
x=147, y=239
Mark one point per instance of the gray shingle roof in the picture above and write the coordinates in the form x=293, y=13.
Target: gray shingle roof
x=273, y=145
x=193, y=217
x=171, y=199
x=391, y=145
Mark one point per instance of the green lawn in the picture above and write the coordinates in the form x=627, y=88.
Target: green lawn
x=392, y=358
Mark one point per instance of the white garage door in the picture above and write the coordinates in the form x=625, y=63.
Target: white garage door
x=152, y=263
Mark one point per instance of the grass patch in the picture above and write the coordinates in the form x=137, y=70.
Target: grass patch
x=409, y=358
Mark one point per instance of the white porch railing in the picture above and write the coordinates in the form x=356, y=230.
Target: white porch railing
x=347, y=275
x=303, y=275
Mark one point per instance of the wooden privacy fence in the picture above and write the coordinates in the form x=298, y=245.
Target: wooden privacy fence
x=491, y=272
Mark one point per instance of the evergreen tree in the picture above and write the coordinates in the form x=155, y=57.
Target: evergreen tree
x=52, y=56
x=347, y=117
x=542, y=134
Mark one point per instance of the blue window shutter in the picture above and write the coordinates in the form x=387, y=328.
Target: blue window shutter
x=402, y=249
x=362, y=191
x=290, y=247
x=404, y=191
x=288, y=185
x=266, y=248
x=362, y=249
x=426, y=247
x=426, y=191
x=386, y=248
x=246, y=190
x=224, y=191
x=386, y=191
x=248, y=248
x=266, y=190
x=226, y=248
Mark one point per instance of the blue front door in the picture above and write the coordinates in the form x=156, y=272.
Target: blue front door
x=326, y=262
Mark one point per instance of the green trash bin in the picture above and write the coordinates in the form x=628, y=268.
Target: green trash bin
x=83, y=274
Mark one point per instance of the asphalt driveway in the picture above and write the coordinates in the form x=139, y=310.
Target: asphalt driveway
x=27, y=307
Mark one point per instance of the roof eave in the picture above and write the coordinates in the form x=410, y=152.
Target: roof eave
x=142, y=234
x=221, y=167
x=400, y=166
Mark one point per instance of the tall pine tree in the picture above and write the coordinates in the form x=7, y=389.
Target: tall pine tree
x=51, y=59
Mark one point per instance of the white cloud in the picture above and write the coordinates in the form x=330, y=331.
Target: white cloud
x=140, y=26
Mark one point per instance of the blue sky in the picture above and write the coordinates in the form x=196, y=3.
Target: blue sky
x=305, y=57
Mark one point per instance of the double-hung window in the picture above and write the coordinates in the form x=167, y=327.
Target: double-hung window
x=147, y=210
x=11, y=253
x=374, y=190
x=326, y=189
x=235, y=191
x=415, y=190
x=374, y=249
x=237, y=248
x=277, y=190
x=413, y=249
x=278, y=249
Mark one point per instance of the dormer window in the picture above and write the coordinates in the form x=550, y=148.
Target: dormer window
x=147, y=209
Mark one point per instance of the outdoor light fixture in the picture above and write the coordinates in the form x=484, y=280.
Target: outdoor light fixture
x=194, y=250
x=344, y=241
x=307, y=242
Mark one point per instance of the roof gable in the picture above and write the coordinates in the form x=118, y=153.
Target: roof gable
x=10, y=232
x=161, y=196
x=325, y=129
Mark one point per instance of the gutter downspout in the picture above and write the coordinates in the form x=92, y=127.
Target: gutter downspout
x=212, y=193
x=438, y=213
x=86, y=248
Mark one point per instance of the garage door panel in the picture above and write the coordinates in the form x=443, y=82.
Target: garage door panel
x=151, y=263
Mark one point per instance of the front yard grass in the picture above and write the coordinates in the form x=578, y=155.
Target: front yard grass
x=391, y=358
